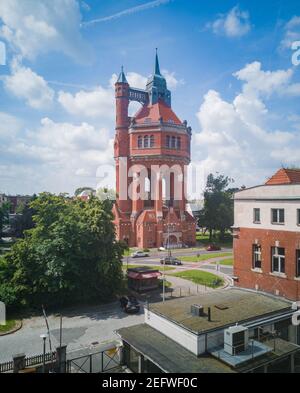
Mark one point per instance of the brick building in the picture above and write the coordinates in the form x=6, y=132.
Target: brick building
x=152, y=151
x=267, y=236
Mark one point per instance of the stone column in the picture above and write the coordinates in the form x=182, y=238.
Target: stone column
x=61, y=359
x=19, y=362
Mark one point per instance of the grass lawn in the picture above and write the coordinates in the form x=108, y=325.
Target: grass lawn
x=205, y=257
x=201, y=278
x=204, y=240
x=160, y=268
x=10, y=324
x=226, y=262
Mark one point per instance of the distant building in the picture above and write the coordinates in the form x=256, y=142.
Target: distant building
x=267, y=236
x=223, y=331
x=3, y=199
x=16, y=201
x=141, y=279
x=153, y=215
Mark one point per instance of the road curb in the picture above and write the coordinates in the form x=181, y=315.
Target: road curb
x=17, y=327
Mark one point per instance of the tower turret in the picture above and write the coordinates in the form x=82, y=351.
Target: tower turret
x=122, y=119
x=157, y=86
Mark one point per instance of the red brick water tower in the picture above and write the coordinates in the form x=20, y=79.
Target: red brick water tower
x=152, y=152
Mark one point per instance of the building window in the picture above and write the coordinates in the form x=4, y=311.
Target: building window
x=298, y=216
x=256, y=256
x=140, y=142
x=178, y=143
x=297, y=263
x=173, y=142
x=256, y=216
x=152, y=141
x=277, y=216
x=146, y=141
x=168, y=143
x=278, y=260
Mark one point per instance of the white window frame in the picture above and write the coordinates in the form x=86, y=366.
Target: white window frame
x=281, y=258
x=254, y=210
x=256, y=253
x=278, y=216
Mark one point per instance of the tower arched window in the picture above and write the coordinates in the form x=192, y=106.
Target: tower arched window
x=140, y=142
x=152, y=141
x=178, y=142
x=168, y=144
x=173, y=142
x=146, y=141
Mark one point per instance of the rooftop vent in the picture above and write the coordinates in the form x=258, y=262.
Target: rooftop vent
x=221, y=306
x=197, y=310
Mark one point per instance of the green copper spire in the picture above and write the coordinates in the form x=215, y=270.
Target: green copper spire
x=156, y=70
x=122, y=77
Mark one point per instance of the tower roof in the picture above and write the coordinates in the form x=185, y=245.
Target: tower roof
x=156, y=112
x=157, y=86
x=156, y=68
x=122, y=77
x=285, y=176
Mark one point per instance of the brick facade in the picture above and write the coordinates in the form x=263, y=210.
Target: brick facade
x=154, y=137
x=286, y=285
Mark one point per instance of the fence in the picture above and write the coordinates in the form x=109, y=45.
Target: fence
x=97, y=362
x=29, y=362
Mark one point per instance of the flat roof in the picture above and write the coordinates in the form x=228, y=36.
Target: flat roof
x=167, y=354
x=142, y=269
x=228, y=306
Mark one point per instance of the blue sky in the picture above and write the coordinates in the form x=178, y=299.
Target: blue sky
x=227, y=63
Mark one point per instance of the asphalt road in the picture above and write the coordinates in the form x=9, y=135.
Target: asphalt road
x=82, y=327
x=155, y=256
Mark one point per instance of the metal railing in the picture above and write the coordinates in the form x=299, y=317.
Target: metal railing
x=29, y=361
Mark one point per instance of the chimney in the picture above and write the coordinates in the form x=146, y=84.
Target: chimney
x=209, y=314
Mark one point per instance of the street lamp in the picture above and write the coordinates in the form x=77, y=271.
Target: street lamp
x=44, y=337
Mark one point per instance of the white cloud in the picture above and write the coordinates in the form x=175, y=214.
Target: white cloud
x=128, y=11
x=25, y=84
x=32, y=27
x=236, y=136
x=55, y=156
x=98, y=102
x=236, y=23
x=291, y=32
x=172, y=81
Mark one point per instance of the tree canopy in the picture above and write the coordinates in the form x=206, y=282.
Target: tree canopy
x=4, y=216
x=217, y=213
x=71, y=255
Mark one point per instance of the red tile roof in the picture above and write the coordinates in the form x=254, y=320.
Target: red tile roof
x=153, y=113
x=285, y=176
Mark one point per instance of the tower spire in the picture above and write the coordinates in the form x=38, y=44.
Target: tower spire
x=122, y=77
x=157, y=69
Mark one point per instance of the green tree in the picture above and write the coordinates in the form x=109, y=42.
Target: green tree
x=4, y=216
x=217, y=213
x=71, y=255
x=24, y=219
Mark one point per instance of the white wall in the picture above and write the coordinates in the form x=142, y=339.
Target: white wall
x=266, y=198
x=180, y=335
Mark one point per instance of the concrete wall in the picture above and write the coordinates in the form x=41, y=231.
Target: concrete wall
x=180, y=335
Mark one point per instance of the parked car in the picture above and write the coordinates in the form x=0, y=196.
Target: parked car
x=170, y=261
x=139, y=254
x=130, y=304
x=213, y=247
x=161, y=249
